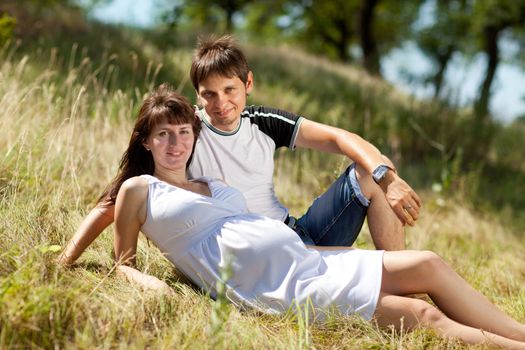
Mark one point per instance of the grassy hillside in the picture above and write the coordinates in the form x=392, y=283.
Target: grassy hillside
x=67, y=110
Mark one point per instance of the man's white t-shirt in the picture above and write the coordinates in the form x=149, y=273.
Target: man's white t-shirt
x=244, y=158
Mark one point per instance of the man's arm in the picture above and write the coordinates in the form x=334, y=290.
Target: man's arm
x=93, y=224
x=401, y=197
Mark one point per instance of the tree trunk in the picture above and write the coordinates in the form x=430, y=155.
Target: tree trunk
x=492, y=52
x=443, y=60
x=482, y=132
x=229, y=20
x=342, y=41
x=230, y=7
x=368, y=43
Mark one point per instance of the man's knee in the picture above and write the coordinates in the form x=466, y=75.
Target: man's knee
x=355, y=178
x=367, y=184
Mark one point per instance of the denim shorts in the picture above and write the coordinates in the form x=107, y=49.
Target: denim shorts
x=336, y=217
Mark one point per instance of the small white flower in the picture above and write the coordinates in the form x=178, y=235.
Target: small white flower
x=437, y=187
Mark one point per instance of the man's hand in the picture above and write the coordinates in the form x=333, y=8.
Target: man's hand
x=402, y=198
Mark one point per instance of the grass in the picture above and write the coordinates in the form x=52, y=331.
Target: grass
x=66, y=120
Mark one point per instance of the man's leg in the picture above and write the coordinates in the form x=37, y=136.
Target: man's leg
x=335, y=218
x=385, y=228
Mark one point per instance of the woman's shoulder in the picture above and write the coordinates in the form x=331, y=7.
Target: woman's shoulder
x=136, y=182
x=135, y=186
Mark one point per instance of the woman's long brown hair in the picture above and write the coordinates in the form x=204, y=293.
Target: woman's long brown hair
x=162, y=104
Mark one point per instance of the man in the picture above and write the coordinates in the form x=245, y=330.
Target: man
x=237, y=144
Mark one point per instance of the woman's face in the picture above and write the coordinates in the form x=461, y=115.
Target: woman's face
x=170, y=145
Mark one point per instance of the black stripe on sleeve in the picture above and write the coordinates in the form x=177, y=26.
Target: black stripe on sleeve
x=278, y=124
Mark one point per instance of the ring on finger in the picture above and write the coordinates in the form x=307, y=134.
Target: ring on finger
x=408, y=215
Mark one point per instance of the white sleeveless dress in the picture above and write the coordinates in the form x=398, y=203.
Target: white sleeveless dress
x=271, y=269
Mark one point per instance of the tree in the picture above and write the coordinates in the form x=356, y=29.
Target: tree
x=368, y=41
x=209, y=13
x=268, y=21
x=335, y=28
x=327, y=27
x=446, y=35
x=230, y=7
x=393, y=23
x=491, y=19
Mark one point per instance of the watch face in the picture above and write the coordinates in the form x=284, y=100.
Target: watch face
x=379, y=173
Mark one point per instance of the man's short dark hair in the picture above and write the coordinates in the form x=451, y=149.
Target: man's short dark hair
x=220, y=56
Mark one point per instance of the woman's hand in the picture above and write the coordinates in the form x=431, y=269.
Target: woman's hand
x=144, y=280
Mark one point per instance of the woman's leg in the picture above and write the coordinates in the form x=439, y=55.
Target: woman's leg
x=408, y=313
x=409, y=272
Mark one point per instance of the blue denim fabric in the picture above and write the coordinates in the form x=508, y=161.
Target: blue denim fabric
x=336, y=217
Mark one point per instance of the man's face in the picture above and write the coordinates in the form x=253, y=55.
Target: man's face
x=224, y=99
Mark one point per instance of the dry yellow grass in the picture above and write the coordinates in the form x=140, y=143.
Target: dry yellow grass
x=61, y=140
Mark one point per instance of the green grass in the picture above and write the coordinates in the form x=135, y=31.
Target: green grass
x=66, y=118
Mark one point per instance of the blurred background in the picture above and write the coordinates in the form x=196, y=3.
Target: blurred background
x=411, y=61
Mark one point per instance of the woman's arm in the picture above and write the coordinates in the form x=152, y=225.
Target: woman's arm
x=130, y=214
x=93, y=224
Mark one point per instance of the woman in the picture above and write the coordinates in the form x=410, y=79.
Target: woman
x=202, y=226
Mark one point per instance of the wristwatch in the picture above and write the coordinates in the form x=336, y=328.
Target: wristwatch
x=380, y=172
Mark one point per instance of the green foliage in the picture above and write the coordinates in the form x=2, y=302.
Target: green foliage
x=495, y=13
x=213, y=15
x=334, y=28
x=328, y=27
x=440, y=40
x=7, y=24
x=266, y=22
x=394, y=22
x=469, y=28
